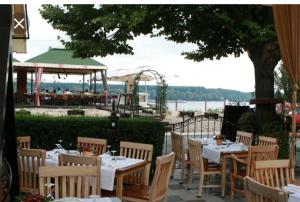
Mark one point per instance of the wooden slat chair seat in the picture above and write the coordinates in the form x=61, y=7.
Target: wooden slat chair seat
x=137, y=151
x=97, y=145
x=180, y=153
x=70, y=181
x=274, y=173
x=267, y=141
x=244, y=167
x=159, y=189
x=29, y=161
x=72, y=160
x=24, y=142
x=244, y=137
x=198, y=164
x=257, y=192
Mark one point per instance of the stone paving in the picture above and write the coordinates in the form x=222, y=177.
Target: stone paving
x=179, y=192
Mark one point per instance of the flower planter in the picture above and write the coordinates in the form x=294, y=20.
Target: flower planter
x=75, y=112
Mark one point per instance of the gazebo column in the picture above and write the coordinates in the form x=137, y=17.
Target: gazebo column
x=83, y=78
x=91, y=81
x=31, y=83
x=95, y=82
x=103, y=75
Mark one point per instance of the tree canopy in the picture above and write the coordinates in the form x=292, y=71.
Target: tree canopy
x=217, y=30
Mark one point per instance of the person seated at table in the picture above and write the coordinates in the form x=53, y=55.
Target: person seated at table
x=87, y=92
x=43, y=92
x=59, y=91
x=67, y=92
x=53, y=93
x=47, y=92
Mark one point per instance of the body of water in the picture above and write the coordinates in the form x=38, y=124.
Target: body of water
x=194, y=105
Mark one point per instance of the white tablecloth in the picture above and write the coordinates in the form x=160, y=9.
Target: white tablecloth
x=105, y=199
x=108, y=167
x=294, y=191
x=213, y=152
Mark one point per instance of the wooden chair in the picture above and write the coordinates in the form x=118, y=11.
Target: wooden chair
x=159, y=187
x=137, y=151
x=198, y=164
x=257, y=192
x=274, y=173
x=96, y=144
x=29, y=161
x=244, y=167
x=70, y=181
x=72, y=160
x=267, y=141
x=24, y=141
x=180, y=154
x=244, y=137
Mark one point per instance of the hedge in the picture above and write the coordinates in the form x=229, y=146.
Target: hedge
x=45, y=131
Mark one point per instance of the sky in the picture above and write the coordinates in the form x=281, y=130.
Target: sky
x=154, y=53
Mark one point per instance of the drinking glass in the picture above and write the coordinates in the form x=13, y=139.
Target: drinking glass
x=108, y=150
x=49, y=195
x=114, y=158
x=57, y=148
x=94, y=197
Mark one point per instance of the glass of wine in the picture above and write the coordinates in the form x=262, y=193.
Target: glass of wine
x=49, y=195
x=108, y=150
x=114, y=158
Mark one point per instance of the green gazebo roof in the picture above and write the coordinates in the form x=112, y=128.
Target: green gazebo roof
x=60, y=61
x=63, y=56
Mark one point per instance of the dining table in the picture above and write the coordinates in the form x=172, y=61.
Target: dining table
x=113, y=168
x=294, y=192
x=220, y=153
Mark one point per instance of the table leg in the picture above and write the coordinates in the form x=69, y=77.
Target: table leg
x=223, y=180
x=119, y=188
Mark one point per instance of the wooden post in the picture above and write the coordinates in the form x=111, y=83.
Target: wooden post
x=95, y=82
x=31, y=83
x=90, y=82
x=176, y=105
x=205, y=106
x=83, y=78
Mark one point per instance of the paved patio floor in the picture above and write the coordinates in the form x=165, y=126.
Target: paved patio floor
x=179, y=192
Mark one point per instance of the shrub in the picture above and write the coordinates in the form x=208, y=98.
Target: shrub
x=45, y=131
x=247, y=122
x=276, y=129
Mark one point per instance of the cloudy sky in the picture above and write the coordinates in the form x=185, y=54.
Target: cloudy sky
x=157, y=53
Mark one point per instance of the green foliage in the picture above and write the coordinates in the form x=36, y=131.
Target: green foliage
x=247, y=122
x=283, y=83
x=217, y=30
x=45, y=131
x=276, y=129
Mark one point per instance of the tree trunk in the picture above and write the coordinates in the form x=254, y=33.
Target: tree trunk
x=264, y=57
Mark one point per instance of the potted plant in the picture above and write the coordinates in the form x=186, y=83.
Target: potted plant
x=86, y=150
x=32, y=197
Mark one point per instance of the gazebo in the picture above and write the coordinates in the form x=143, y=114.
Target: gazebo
x=57, y=61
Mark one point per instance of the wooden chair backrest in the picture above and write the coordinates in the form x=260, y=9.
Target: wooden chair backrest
x=267, y=141
x=97, y=145
x=29, y=161
x=257, y=192
x=274, y=173
x=256, y=153
x=244, y=137
x=163, y=171
x=137, y=151
x=73, y=160
x=70, y=181
x=195, y=154
x=24, y=141
x=178, y=146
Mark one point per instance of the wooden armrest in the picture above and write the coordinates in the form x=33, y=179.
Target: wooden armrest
x=235, y=158
x=131, y=169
